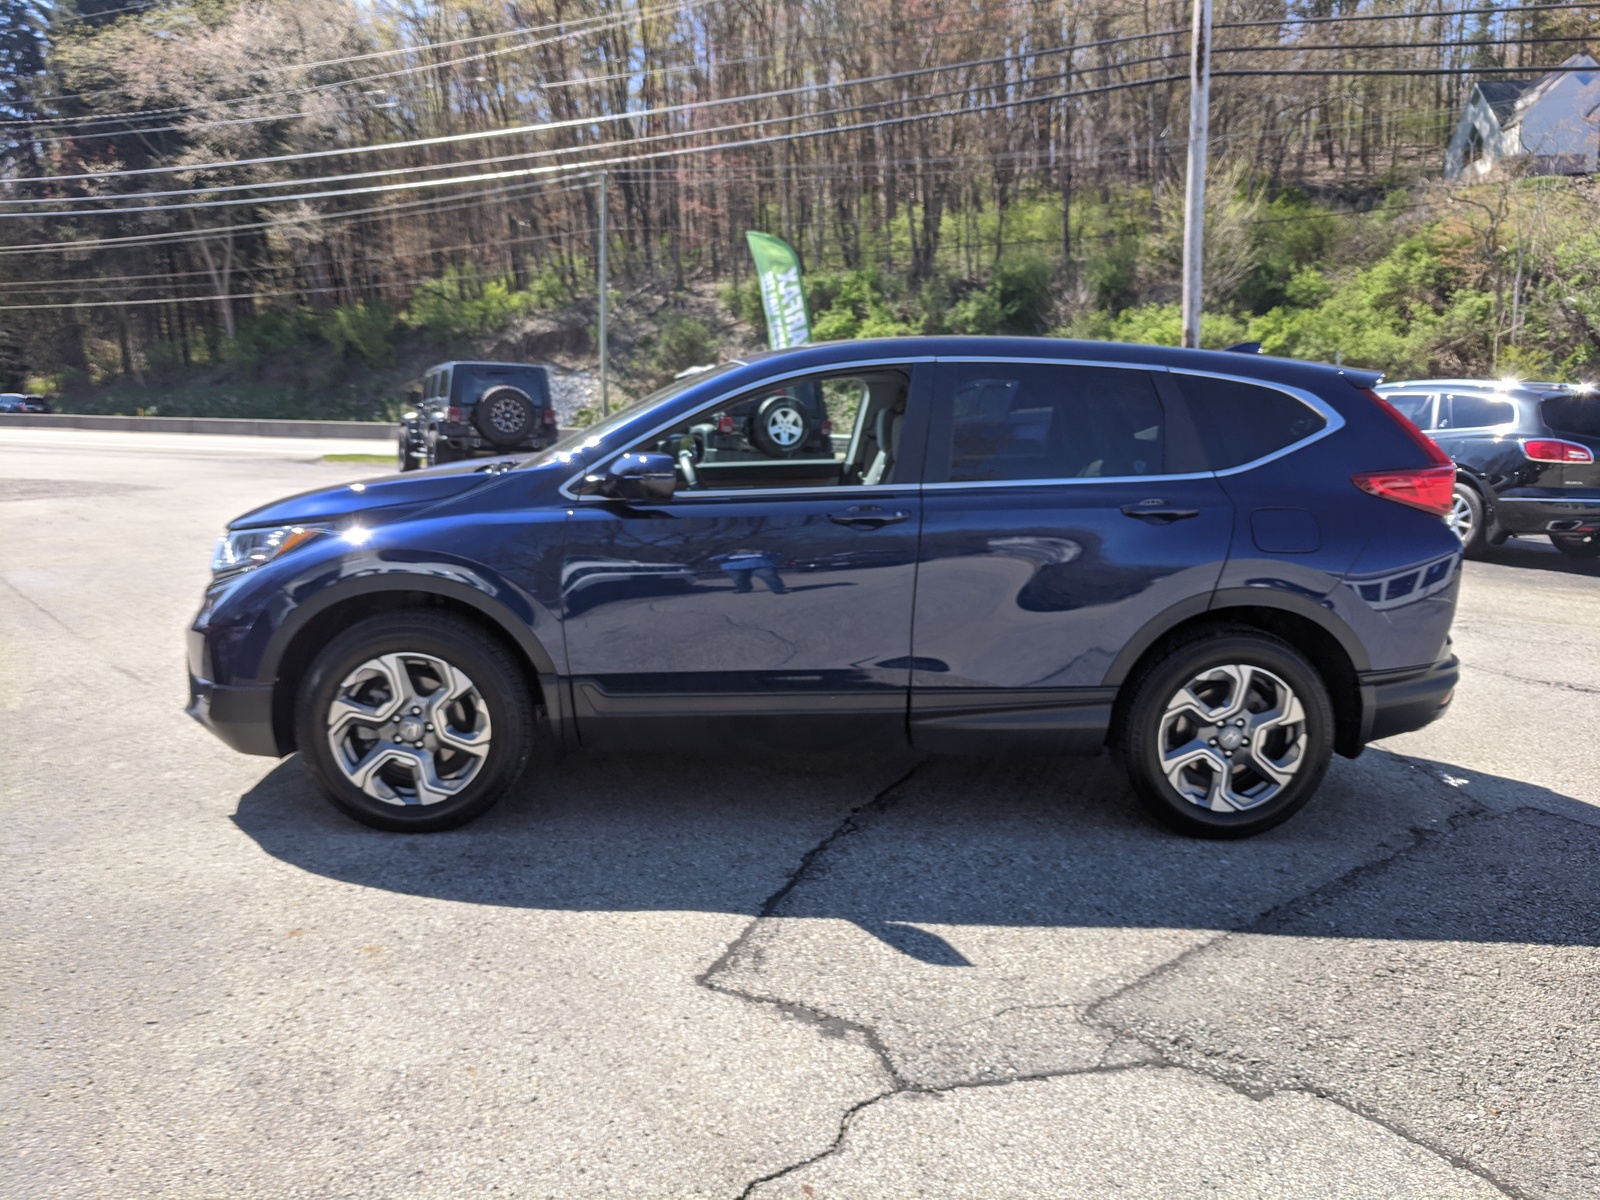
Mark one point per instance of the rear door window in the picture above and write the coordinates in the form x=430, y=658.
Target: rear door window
x=1576, y=416
x=1476, y=412
x=1240, y=422
x=1416, y=407
x=1013, y=421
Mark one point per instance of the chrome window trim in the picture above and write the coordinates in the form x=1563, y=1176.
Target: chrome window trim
x=1050, y=362
x=722, y=397
x=832, y=490
x=1019, y=483
x=1334, y=422
x=1322, y=408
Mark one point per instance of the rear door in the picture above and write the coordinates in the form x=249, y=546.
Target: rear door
x=1067, y=507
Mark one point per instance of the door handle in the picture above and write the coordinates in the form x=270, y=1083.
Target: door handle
x=1158, y=512
x=868, y=517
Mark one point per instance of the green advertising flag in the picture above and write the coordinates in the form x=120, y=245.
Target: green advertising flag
x=778, y=268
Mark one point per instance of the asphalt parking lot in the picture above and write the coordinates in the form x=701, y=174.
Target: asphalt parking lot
x=683, y=977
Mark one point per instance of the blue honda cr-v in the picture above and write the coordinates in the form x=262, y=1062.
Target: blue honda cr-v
x=1223, y=566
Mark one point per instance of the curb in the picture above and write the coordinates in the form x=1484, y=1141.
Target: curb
x=381, y=431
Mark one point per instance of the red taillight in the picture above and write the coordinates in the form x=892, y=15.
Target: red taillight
x=549, y=416
x=1555, y=450
x=1432, y=489
x=725, y=424
x=827, y=428
x=453, y=415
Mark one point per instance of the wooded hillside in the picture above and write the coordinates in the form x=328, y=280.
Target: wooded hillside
x=229, y=182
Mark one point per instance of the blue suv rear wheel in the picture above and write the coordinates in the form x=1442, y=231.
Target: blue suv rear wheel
x=1227, y=734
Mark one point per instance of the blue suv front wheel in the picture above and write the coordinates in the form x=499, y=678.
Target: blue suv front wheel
x=414, y=722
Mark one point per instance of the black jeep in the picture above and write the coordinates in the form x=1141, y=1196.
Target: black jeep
x=472, y=408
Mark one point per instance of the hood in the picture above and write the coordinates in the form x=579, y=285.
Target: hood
x=412, y=490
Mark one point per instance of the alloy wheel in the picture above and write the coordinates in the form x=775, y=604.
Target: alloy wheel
x=506, y=415
x=1232, y=738
x=1460, y=518
x=785, y=426
x=409, y=729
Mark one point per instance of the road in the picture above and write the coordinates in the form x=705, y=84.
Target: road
x=683, y=977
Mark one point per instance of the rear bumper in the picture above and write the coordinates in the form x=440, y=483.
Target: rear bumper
x=1547, y=514
x=240, y=716
x=1400, y=701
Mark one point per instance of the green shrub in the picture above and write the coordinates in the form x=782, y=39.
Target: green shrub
x=361, y=330
x=684, y=343
x=1158, y=325
x=447, y=309
x=256, y=340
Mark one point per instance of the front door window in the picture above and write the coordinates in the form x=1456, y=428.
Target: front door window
x=824, y=431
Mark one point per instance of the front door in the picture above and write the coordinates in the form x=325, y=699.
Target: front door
x=769, y=602
x=1065, y=508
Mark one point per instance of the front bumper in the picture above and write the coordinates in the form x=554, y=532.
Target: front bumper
x=1548, y=514
x=240, y=716
x=1400, y=701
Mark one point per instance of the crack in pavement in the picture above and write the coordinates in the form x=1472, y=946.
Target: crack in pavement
x=1275, y=918
x=117, y=667
x=1230, y=1077
x=830, y=1025
x=1552, y=683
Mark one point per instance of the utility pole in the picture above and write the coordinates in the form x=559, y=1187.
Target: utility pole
x=1194, y=201
x=605, y=379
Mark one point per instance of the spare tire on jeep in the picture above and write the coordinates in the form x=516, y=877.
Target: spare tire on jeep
x=505, y=416
x=780, y=427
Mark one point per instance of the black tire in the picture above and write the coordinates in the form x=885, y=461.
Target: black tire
x=505, y=416
x=1468, y=521
x=499, y=688
x=439, y=452
x=403, y=452
x=781, y=427
x=1576, y=545
x=1141, y=734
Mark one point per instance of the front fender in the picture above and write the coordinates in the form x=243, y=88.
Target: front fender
x=511, y=611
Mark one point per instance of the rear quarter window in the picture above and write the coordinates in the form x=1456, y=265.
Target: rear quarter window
x=1578, y=416
x=1240, y=422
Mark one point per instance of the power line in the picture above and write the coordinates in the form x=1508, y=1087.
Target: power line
x=414, y=184
x=597, y=24
x=644, y=14
x=584, y=122
x=549, y=152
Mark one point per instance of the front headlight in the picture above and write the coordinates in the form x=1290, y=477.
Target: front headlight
x=242, y=549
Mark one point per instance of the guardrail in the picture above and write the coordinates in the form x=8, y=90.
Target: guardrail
x=380, y=431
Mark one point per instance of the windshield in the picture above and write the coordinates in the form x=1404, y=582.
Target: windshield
x=594, y=435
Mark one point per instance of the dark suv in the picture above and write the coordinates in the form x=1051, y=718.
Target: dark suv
x=472, y=408
x=1225, y=566
x=17, y=402
x=1524, y=455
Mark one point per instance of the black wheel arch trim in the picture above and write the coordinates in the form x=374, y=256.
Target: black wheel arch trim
x=516, y=628
x=1229, y=598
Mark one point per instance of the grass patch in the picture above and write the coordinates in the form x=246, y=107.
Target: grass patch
x=358, y=458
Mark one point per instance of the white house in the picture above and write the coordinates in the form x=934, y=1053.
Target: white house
x=1545, y=126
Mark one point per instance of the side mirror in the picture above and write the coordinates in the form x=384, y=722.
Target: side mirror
x=647, y=477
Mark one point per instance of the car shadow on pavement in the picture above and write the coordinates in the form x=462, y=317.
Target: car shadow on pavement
x=1537, y=554
x=1392, y=848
